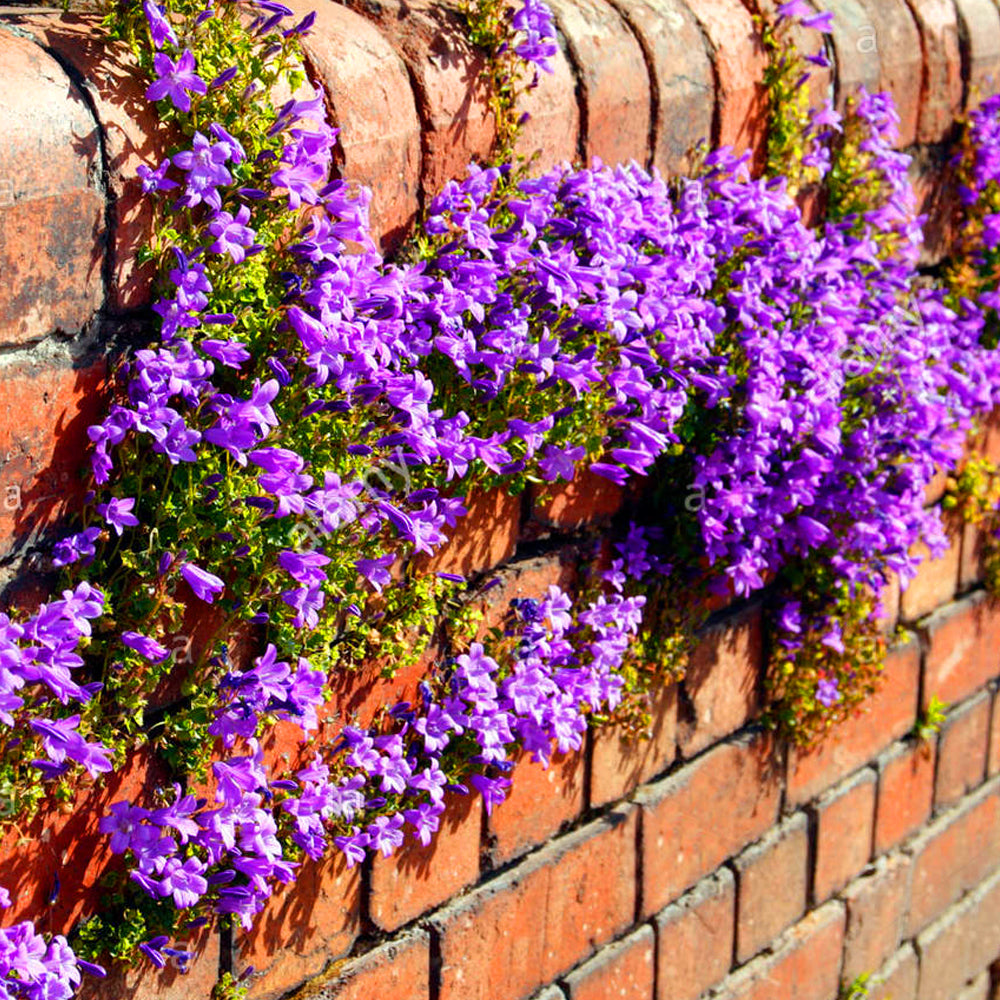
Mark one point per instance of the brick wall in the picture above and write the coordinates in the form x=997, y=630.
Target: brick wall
x=706, y=858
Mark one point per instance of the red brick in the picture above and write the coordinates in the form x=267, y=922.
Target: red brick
x=942, y=94
x=538, y=920
x=484, y=538
x=953, y=854
x=970, y=571
x=739, y=61
x=619, y=764
x=887, y=715
x=695, y=938
x=892, y=28
x=374, y=107
x=845, y=817
x=613, y=80
x=931, y=176
x=962, y=747
x=805, y=965
x=417, y=878
x=876, y=910
x=302, y=927
x=539, y=801
x=993, y=758
x=684, y=85
x=706, y=812
x=935, y=583
x=587, y=499
x=857, y=49
x=623, y=969
x=979, y=30
x=958, y=947
x=143, y=981
x=897, y=979
x=772, y=884
x=51, y=211
x=553, y=127
x=446, y=74
x=44, y=415
x=905, y=792
x=132, y=135
x=890, y=597
x=722, y=682
x=962, y=645
x=398, y=968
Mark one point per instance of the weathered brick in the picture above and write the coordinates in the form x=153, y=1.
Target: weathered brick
x=892, y=30
x=887, y=715
x=619, y=764
x=695, y=938
x=955, y=852
x=898, y=978
x=446, y=74
x=303, y=926
x=684, y=85
x=613, y=80
x=722, y=682
x=623, y=969
x=374, y=108
x=538, y=920
x=539, y=801
x=131, y=133
x=942, y=94
x=143, y=981
x=962, y=749
x=970, y=570
x=845, y=818
x=51, y=210
x=993, y=758
x=706, y=812
x=876, y=911
x=962, y=643
x=805, y=964
x=856, y=47
x=553, y=126
x=739, y=61
x=587, y=499
x=905, y=792
x=979, y=34
x=484, y=538
x=979, y=989
x=935, y=583
x=418, y=878
x=772, y=885
x=956, y=948
x=399, y=968
x=44, y=415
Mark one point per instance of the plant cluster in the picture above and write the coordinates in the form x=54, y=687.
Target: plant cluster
x=288, y=460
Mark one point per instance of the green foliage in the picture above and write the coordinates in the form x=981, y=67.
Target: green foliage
x=858, y=989
x=929, y=721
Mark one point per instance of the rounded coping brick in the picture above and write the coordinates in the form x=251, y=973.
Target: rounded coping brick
x=613, y=78
x=51, y=205
x=369, y=89
x=44, y=415
x=740, y=61
x=941, y=98
x=979, y=37
x=552, y=131
x=132, y=136
x=446, y=74
x=683, y=80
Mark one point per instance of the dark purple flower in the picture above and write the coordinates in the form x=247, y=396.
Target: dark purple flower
x=175, y=80
x=205, y=585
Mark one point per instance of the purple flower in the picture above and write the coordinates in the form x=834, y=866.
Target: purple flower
x=175, y=80
x=75, y=547
x=118, y=513
x=205, y=585
x=827, y=693
x=376, y=571
x=148, y=648
x=232, y=234
x=160, y=29
x=155, y=180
